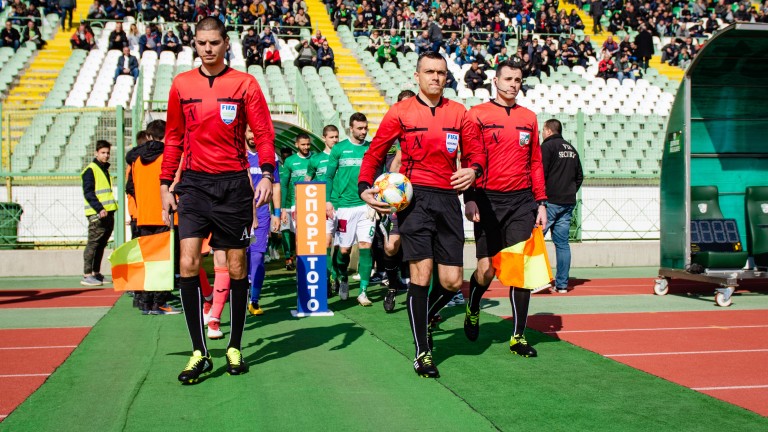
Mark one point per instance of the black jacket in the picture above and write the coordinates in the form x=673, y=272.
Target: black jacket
x=148, y=152
x=89, y=185
x=562, y=170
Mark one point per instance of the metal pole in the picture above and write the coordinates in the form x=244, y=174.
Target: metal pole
x=7, y=141
x=580, y=144
x=120, y=222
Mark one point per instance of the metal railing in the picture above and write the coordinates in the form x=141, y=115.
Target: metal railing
x=44, y=153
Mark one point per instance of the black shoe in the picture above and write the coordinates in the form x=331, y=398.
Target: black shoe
x=471, y=324
x=235, y=363
x=518, y=345
x=424, y=367
x=99, y=277
x=198, y=365
x=289, y=265
x=376, y=278
x=389, y=300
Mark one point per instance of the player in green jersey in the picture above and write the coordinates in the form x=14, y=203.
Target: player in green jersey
x=354, y=220
x=318, y=165
x=294, y=170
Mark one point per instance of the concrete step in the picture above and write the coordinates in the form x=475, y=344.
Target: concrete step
x=41, y=74
x=364, y=94
x=367, y=99
x=26, y=81
x=25, y=99
x=355, y=86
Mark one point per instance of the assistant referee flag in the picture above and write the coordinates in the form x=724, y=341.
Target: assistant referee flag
x=524, y=264
x=144, y=264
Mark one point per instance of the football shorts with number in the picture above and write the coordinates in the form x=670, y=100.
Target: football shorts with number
x=354, y=225
x=290, y=224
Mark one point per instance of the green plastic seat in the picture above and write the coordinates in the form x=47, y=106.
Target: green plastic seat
x=756, y=204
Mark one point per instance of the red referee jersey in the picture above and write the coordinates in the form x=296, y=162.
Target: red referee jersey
x=430, y=140
x=510, y=138
x=207, y=118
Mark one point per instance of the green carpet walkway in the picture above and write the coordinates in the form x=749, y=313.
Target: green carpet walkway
x=353, y=372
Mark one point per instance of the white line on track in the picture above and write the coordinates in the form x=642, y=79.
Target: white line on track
x=711, y=327
x=731, y=388
x=38, y=347
x=685, y=353
x=2, y=416
x=25, y=375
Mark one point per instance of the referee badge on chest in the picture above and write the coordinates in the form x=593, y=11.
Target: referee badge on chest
x=451, y=142
x=228, y=113
x=525, y=138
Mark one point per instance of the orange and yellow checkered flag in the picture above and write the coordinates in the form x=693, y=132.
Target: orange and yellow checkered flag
x=524, y=264
x=144, y=264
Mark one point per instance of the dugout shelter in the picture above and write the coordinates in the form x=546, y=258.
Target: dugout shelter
x=714, y=174
x=285, y=136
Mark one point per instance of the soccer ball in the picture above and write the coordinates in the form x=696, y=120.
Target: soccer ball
x=395, y=190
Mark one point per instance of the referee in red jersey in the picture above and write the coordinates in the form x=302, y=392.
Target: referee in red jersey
x=209, y=109
x=509, y=200
x=432, y=131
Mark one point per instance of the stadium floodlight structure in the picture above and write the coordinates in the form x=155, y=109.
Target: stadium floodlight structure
x=714, y=174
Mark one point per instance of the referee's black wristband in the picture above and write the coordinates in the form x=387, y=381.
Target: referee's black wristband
x=166, y=182
x=267, y=168
x=362, y=187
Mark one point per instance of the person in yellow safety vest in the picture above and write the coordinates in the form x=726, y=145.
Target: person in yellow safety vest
x=100, y=208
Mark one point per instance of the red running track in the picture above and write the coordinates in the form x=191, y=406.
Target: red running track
x=719, y=353
x=29, y=357
x=58, y=298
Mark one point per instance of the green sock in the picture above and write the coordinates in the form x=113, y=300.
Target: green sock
x=287, y=244
x=364, y=268
x=342, y=263
x=335, y=261
x=330, y=263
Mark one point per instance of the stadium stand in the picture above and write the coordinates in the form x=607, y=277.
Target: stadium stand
x=621, y=121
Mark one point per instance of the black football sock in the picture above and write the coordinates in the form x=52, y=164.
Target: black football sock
x=417, y=315
x=391, y=266
x=520, y=298
x=192, y=301
x=438, y=298
x=476, y=292
x=238, y=306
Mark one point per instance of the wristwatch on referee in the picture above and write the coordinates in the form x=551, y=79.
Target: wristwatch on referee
x=478, y=171
x=542, y=203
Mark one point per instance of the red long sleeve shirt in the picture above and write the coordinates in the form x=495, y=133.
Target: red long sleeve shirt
x=207, y=118
x=510, y=139
x=430, y=140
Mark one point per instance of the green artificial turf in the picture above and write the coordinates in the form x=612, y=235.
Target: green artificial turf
x=50, y=317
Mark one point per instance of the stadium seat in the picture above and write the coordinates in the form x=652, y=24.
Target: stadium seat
x=705, y=204
x=756, y=204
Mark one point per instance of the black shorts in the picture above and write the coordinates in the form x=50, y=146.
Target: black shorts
x=394, y=227
x=506, y=218
x=217, y=204
x=431, y=227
